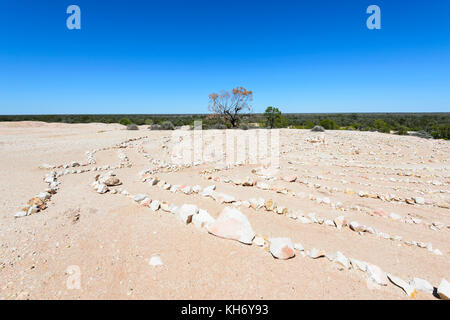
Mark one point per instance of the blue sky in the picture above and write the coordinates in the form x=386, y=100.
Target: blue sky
x=167, y=56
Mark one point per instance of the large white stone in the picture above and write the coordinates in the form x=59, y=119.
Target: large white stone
x=377, y=275
x=422, y=285
x=444, y=289
x=359, y=264
x=186, y=212
x=202, y=219
x=232, y=224
x=342, y=260
x=282, y=248
x=410, y=290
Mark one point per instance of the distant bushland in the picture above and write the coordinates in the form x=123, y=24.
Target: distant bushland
x=436, y=125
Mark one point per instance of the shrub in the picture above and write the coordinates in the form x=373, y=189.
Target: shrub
x=309, y=124
x=155, y=127
x=329, y=124
x=381, y=126
x=132, y=127
x=243, y=126
x=167, y=125
x=402, y=130
x=318, y=129
x=421, y=134
x=441, y=131
x=218, y=126
x=125, y=121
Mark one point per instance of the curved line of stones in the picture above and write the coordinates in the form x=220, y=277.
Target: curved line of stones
x=435, y=226
x=342, y=262
x=256, y=204
x=40, y=201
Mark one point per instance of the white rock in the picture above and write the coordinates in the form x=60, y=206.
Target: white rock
x=303, y=220
x=377, y=275
x=224, y=198
x=139, y=197
x=154, y=205
x=339, y=222
x=196, y=189
x=232, y=224
x=260, y=203
x=186, y=212
x=298, y=246
x=165, y=206
x=20, y=214
x=155, y=261
x=395, y=216
x=444, y=289
x=359, y=265
x=246, y=204
x=102, y=188
x=409, y=290
x=339, y=258
x=32, y=210
x=329, y=223
x=419, y=200
x=315, y=253
x=208, y=191
x=354, y=225
x=202, y=219
x=259, y=241
x=174, y=209
x=186, y=190
x=262, y=185
x=281, y=248
x=437, y=252
x=422, y=285
x=44, y=196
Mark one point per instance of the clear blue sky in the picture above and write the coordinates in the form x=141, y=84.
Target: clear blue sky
x=167, y=56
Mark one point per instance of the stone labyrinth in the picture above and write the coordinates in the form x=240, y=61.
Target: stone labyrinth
x=364, y=184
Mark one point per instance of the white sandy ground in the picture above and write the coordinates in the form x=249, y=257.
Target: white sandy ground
x=114, y=237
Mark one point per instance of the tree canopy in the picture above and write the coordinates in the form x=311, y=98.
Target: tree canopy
x=229, y=105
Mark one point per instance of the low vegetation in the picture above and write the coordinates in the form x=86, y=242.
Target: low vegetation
x=426, y=125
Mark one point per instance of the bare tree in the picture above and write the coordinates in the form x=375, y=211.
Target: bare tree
x=228, y=105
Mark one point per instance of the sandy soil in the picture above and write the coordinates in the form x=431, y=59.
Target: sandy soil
x=110, y=238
